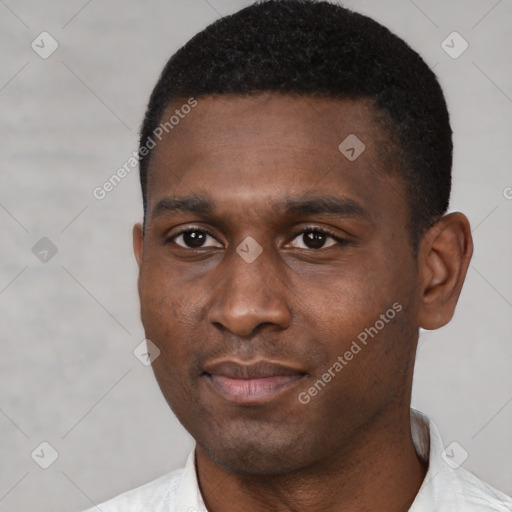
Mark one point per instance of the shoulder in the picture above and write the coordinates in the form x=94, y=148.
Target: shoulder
x=479, y=495
x=155, y=496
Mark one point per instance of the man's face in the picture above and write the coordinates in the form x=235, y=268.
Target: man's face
x=244, y=336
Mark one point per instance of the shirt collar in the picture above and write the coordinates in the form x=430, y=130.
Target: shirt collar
x=188, y=497
x=429, y=447
x=447, y=487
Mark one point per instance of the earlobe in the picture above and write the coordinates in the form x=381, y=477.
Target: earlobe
x=443, y=257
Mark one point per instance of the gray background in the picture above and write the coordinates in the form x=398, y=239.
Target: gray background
x=69, y=326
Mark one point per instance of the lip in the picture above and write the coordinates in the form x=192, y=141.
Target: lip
x=251, y=384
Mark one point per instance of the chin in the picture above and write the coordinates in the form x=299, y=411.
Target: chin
x=259, y=455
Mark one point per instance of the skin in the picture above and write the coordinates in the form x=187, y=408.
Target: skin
x=350, y=447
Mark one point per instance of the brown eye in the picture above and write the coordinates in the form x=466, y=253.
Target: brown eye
x=195, y=239
x=314, y=239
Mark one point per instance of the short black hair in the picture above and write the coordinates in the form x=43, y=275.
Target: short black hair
x=317, y=48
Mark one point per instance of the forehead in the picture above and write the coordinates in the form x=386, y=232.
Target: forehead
x=257, y=149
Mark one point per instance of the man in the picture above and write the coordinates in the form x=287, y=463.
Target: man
x=295, y=163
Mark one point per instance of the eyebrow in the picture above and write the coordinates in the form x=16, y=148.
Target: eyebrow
x=199, y=204
x=324, y=205
x=301, y=205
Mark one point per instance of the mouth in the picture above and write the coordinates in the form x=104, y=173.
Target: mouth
x=251, y=384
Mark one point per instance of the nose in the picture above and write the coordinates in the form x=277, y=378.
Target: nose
x=250, y=295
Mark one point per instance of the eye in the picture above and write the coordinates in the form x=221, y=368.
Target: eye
x=316, y=239
x=194, y=238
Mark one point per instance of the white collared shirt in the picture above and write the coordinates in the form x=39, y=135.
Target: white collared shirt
x=446, y=487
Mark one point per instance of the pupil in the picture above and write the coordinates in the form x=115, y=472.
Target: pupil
x=314, y=239
x=194, y=238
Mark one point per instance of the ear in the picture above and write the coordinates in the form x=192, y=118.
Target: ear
x=138, y=247
x=443, y=259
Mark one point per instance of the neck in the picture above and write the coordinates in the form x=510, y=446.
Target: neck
x=381, y=471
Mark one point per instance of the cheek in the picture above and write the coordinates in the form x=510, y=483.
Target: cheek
x=348, y=299
x=362, y=314
x=169, y=313
x=163, y=296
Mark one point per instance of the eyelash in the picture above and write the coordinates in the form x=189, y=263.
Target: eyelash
x=341, y=241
